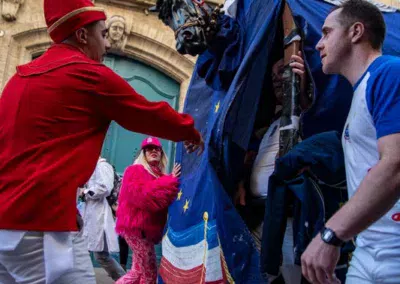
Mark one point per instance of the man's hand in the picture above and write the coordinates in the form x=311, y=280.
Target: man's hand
x=192, y=147
x=318, y=262
x=297, y=64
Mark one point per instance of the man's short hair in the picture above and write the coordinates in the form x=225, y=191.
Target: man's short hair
x=369, y=15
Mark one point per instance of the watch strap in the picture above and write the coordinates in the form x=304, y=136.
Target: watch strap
x=333, y=240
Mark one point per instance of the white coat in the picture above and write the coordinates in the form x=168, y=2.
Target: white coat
x=98, y=218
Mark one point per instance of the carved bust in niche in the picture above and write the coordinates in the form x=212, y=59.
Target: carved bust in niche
x=117, y=32
x=10, y=9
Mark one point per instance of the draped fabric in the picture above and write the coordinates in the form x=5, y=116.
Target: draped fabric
x=229, y=93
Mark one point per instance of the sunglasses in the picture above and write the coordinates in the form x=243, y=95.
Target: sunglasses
x=152, y=148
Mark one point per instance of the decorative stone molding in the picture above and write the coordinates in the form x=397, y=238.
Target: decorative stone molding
x=159, y=56
x=22, y=47
x=117, y=32
x=10, y=9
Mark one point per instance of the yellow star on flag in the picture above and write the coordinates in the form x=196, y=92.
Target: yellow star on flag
x=180, y=195
x=217, y=107
x=186, y=206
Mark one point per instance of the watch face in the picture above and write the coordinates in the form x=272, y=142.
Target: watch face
x=327, y=235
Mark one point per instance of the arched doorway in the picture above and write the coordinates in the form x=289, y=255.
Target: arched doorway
x=121, y=146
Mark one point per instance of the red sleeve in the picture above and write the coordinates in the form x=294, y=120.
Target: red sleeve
x=153, y=195
x=120, y=102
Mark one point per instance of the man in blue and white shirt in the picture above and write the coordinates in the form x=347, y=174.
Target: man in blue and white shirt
x=353, y=35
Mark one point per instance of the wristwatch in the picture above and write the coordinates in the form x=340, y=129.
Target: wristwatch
x=329, y=237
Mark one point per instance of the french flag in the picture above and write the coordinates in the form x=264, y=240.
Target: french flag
x=193, y=256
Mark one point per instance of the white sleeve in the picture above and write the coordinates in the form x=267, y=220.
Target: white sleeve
x=103, y=182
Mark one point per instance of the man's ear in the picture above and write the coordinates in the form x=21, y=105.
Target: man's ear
x=357, y=31
x=81, y=35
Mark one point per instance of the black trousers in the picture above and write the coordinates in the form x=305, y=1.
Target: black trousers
x=123, y=251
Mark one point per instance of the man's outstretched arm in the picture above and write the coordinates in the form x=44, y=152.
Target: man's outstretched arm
x=376, y=195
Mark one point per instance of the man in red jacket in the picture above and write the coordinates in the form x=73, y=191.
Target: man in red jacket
x=54, y=114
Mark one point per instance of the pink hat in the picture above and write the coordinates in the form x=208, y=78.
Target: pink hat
x=151, y=141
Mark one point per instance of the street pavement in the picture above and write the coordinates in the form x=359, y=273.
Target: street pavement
x=102, y=277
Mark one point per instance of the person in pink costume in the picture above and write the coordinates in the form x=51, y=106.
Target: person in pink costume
x=145, y=195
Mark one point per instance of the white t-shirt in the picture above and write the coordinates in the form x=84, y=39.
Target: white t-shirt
x=374, y=113
x=264, y=163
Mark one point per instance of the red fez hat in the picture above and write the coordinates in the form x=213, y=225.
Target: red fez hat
x=65, y=17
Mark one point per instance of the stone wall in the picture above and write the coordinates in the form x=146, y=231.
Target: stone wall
x=23, y=35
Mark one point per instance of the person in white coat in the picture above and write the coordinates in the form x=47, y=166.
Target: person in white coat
x=99, y=224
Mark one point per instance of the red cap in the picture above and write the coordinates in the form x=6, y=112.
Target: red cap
x=65, y=17
x=151, y=141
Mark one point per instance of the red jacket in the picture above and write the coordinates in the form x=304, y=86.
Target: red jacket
x=54, y=114
x=143, y=203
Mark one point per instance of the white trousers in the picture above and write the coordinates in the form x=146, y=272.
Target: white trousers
x=26, y=263
x=374, y=266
